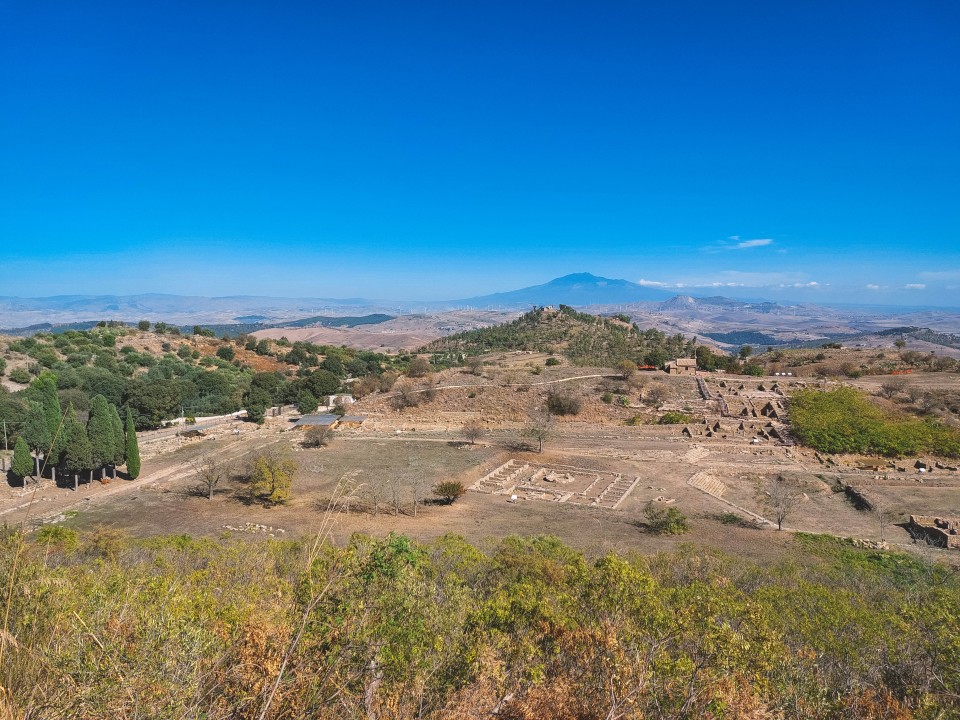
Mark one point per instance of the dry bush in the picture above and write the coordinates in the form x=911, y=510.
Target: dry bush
x=407, y=396
x=387, y=381
x=893, y=387
x=419, y=367
x=317, y=437
x=559, y=403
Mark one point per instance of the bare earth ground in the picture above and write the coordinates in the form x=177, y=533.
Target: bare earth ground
x=414, y=448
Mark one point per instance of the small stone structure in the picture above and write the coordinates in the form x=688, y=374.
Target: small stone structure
x=944, y=532
x=557, y=483
x=682, y=366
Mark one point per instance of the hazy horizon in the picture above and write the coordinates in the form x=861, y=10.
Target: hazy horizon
x=435, y=151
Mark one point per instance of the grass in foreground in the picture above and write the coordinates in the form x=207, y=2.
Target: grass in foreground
x=104, y=626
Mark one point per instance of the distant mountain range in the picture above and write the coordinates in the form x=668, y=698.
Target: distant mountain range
x=578, y=289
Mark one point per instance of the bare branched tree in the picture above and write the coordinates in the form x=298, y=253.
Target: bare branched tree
x=473, y=431
x=540, y=426
x=211, y=472
x=779, y=498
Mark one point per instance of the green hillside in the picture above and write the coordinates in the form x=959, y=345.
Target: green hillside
x=584, y=339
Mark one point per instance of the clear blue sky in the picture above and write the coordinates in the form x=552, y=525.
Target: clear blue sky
x=448, y=149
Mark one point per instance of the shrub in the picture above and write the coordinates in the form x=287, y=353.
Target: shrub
x=563, y=404
x=674, y=418
x=607, y=397
x=552, y=362
x=449, y=491
x=226, y=352
x=20, y=376
x=665, y=521
x=317, y=437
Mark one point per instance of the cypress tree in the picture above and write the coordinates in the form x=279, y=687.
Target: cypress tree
x=37, y=433
x=119, y=440
x=133, y=449
x=75, y=454
x=22, y=461
x=100, y=433
x=44, y=391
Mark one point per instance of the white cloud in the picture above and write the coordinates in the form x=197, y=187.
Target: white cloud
x=739, y=279
x=914, y=286
x=759, y=242
x=871, y=286
x=734, y=242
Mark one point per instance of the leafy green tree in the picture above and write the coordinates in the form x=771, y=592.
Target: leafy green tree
x=75, y=455
x=307, y=402
x=100, y=433
x=271, y=477
x=133, y=448
x=745, y=352
x=22, y=460
x=226, y=352
x=143, y=325
x=321, y=382
x=256, y=403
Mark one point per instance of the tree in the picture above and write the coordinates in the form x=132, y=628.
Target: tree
x=419, y=367
x=256, y=403
x=100, y=433
x=892, y=387
x=119, y=440
x=44, y=391
x=271, y=477
x=37, y=433
x=226, y=352
x=473, y=431
x=307, y=402
x=143, y=325
x=76, y=455
x=474, y=365
x=745, y=352
x=540, y=426
x=655, y=394
x=780, y=497
x=211, y=473
x=22, y=461
x=627, y=368
x=132, y=448
x=449, y=491
x=321, y=383
x=900, y=344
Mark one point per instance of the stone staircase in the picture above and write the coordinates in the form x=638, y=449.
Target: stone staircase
x=707, y=483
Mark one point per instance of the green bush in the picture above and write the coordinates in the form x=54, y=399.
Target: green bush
x=552, y=362
x=665, y=521
x=21, y=376
x=672, y=417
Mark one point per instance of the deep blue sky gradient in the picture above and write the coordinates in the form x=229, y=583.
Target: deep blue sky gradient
x=440, y=150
